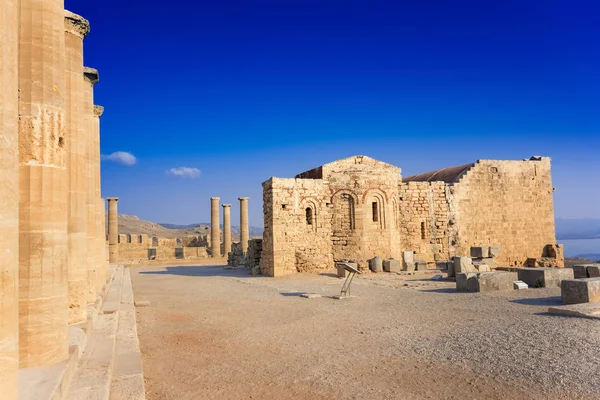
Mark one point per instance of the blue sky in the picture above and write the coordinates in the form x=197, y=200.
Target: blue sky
x=246, y=90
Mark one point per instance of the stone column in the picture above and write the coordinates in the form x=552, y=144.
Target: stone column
x=90, y=77
x=43, y=190
x=215, y=232
x=244, y=230
x=113, y=230
x=226, y=229
x=9, y=199
x=76, y=28
x=100, y=222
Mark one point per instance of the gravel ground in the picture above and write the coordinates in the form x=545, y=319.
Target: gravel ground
x=212, y=333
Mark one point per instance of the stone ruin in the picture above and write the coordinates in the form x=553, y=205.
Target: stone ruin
x=359, y=208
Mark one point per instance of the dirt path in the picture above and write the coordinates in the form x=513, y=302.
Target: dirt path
x=212, y=333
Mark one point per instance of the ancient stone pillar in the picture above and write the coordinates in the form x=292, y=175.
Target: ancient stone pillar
x=244, y=229
x=100, y=222
x=9, y=198
x=43, y=190
x=215, y=232
x=226, y=229
x=113, y=230
x=90, y=77
x=76, y=28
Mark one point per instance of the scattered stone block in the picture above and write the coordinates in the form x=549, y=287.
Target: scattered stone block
x=493, y=251
x=593, y=271
x=583, y=310
x=485, y=282
x=480, y=251
x=496, y=281
x=580, y=271
x=462, y=279
x=391, y=265
x=483, y=268
x=463, y=264
x=437, y=277
x=442, y=265
x=545, y=277
x=421, y=265
x=451, y=270
x=575, y=291
x=410, y=267
x=520, y=285
x=376, y=264
x=408, y=263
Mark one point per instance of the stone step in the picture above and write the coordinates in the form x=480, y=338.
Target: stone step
x=113, y=297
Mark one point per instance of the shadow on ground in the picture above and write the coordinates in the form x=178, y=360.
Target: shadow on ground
x=540, y=301
x=204, y=270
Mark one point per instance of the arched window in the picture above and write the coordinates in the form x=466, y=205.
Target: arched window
x=375, y=208
x=309, y=216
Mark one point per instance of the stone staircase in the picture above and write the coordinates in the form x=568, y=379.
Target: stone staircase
x=110, y=367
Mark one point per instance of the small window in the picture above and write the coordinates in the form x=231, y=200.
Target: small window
x=309, y=216
x=423, y=231
x=375, y=212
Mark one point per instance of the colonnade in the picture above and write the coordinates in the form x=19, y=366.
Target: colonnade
x=215, y=229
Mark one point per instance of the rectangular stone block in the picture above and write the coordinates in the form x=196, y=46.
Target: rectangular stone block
x=580, y=271
x=462, y=280
x=593, y=271
x=451, y=270
x=421, y=265
x=463, y=264
x=480, y=251
x=496, y=281
x=376, y=264
x=407, y=260
x=520, y=285
x=391, y=265
x=545, y=277
x=494, y=251
x=577, y=291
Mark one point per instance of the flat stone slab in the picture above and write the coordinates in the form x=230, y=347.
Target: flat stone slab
x=545, y=277
x=520, y=285
x=577, y=291
x=142, y=303
x=585, y=310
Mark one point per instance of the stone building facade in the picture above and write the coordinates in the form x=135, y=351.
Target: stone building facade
x=358, y=208
x=53, y=260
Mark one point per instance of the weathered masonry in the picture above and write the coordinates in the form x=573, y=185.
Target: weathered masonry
x=358, y=208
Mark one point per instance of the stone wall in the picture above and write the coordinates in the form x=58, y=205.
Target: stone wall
x=507, y=204
x=135, y=249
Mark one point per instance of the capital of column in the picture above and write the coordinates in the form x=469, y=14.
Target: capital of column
x=243, y=198
x=215, y=198
x=76, y=24
x=98, y=110
x=112, y=198
x=91, y=75
x=226, y=205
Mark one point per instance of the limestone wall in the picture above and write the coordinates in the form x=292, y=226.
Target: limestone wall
x=507, y=204
x=424, y=220
x=135, y=249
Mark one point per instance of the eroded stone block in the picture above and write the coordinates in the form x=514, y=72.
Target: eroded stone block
x=480, y=251
x=462, y=279
x=494, y=251
x=391, y=265
x=575, y=291
x=580, y=271
x=496, y=281
x=463, y=264
x=593, y=271
x=376, y=264
x=545, y=277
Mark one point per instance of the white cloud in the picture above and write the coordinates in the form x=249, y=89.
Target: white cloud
x=185, y=172
x=121, y=157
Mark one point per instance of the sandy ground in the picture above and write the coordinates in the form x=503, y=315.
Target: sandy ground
x=212, y=333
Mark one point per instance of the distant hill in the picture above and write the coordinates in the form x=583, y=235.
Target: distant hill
x=580, y=228
x=130, y=224
x=235, y=229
